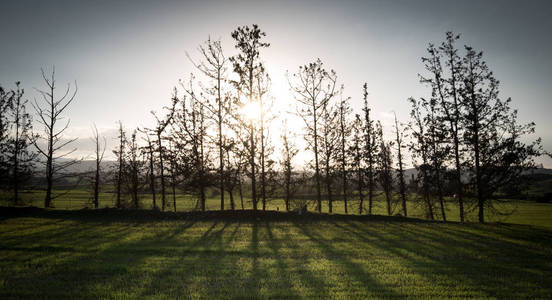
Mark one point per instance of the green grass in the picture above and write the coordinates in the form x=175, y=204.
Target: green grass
x=521, y=212
x=52, y=256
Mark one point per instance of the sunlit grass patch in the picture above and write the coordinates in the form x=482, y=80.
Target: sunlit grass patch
x=91, y=258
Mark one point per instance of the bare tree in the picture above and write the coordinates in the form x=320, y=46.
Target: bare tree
x=419, y=147
x=120, y=154
x=213, y=65
x=492, y=135
x=400, y=146
x=50, y=113
x=149, y=149
x=99, y=154
x=450, y=102
x=248, y=67
x=173, y=170
x=356, y=153
x=313, y=87
x=189, y=136
x=289, y=151
x=6, y=104
x=133, y=169
x=385, y=174
x=371, y=149
x=438, y=150
x=265, y=106
x=20, y=159
x=329, y=143
x=162, y=124
x=344, y=132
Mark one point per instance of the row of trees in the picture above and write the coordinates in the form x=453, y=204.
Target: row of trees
x=464, y=139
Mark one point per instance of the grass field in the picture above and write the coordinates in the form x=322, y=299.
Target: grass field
x=85, y=254
x=520, y=211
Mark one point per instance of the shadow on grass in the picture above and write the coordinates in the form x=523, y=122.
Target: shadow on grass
x=477, y=264
x=256, y=258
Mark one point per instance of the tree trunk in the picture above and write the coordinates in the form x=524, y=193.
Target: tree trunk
x=316, y=167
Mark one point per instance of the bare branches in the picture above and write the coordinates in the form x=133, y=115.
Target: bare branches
x=50, y=112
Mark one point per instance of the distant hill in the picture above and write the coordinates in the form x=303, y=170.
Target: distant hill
x=82, y=166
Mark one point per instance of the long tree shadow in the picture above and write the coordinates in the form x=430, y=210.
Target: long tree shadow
x=283, y=270
x=98, y=271
x=350, y=268
x=444, y=258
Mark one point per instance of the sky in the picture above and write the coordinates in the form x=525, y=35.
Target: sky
x=126, y=56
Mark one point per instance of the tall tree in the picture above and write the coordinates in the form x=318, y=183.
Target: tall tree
x=344, y=132
x=149, y=150
x=133, y=169
x=400, y=146
x=162, y=124
x=492, y=135
x=313, y=87
x=329, y=143
x=438, y=149
x=419, y=147
x=6, y=103
x=247, y=66
x=385, y=174
x=190, y=139
x=444, y=114
x=263, y=86
x=50, y=112
x=20, y=158
x=213, y=64
x=371, y=149
x=289, y=151
x=357, y=157
x=452, y=108
x=120, y=165
x=99, y=154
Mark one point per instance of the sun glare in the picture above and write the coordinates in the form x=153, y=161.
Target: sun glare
x=251, y=111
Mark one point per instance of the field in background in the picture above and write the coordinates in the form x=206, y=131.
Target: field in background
x=82, y=257
x=520, y=212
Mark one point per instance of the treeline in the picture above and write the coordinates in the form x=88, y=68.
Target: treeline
x=464, y=139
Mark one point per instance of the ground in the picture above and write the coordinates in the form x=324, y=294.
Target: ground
x=138, y=254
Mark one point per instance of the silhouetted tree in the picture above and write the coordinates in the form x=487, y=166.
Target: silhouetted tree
x=357, y=157
x=313, y=87
x=149, y=150
x=329, y=142
x=6, y=104
x=158, y=131
x=491, y=133
x=371, y=149
x=438, y=148
x=173, y=170
x=289, y=151
x=344, y=133
x=190, y=135
x=400, y=145
x=449, y=95
x=99, y=154
x=120, y=165
x=213, y=64
x=385, y=173
x=19, y=158
x=49, y=114
x=133, y=169
x=247, y=66
x=419, y=148
x=444, y=113
x=263, y=86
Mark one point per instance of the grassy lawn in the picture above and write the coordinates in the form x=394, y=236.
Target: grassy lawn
x=49, y=255
x=521, y=212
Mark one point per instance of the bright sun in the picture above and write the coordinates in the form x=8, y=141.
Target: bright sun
x=251, y=111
